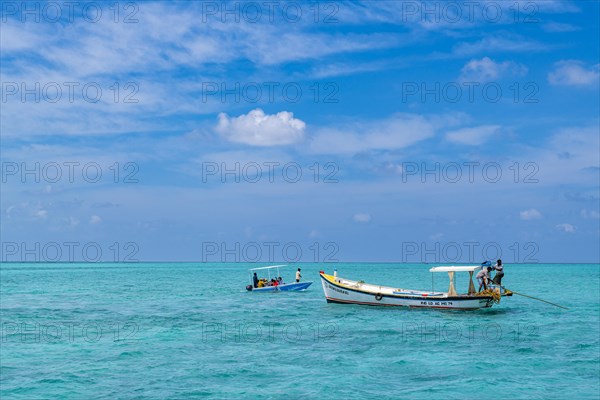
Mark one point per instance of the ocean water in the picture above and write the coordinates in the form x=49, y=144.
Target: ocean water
x=168, y=330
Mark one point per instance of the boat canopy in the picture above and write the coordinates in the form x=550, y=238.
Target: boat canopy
x=452, y=268
x=271, y=267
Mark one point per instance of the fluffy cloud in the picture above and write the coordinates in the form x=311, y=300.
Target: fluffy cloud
x=530, y=214
x=574, y=73
x=95, y=220
x=487, y=70
x=568, y=228
x=259, y=129
x=362, y=218
x=473, y=136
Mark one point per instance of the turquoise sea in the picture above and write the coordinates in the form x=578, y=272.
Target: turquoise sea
x=168, y=330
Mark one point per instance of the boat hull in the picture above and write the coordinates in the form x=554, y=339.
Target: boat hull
x=339, y=293
x=290, y=287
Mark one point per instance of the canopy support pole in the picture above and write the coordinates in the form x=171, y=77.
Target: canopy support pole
x=451, y=290
x=471, y=286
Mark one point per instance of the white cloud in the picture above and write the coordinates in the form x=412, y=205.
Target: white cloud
x=568, y=228
x=473, y=136
x=73, y=222
x=571, y=156
x=41, y=214
x=362, y=218
x=530, y=214
x=94, y=220
x=394, y=168
x=343, y=69
x=574, y=73
x=271, y=47
x=259, y=129
x=26, y=211
x=590, y=214
x=152, y=59
x=554, y=6
x=397, y=132
x=106, y=47
x=513, y=43
x=559, y=27
x=487, y=70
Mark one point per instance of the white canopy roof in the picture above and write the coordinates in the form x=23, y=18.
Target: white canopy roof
x=274, y=266
x=452, y=268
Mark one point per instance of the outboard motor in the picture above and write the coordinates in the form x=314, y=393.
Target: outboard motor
x=249, y=288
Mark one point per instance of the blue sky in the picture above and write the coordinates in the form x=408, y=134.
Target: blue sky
x=498, y=100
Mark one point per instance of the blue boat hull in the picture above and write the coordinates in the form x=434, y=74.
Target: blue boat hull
x=290, y=287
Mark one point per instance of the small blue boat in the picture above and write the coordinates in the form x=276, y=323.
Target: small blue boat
x=277, y=287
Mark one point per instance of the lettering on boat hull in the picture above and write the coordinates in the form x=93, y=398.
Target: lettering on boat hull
x=437, y=303
x=337, y=289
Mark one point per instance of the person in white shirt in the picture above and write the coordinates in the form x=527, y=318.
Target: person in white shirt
x=483, y=276
x=298, y=276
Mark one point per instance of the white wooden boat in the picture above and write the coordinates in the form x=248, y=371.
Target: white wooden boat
x=341, y=290
x=285, y=287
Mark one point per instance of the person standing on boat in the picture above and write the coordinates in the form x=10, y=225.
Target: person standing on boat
x=298, y=276
x=255, y=280
x=483, y=276
x=499, y=272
